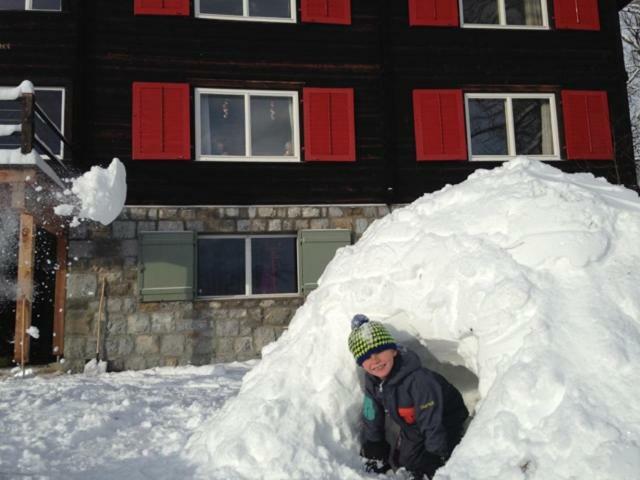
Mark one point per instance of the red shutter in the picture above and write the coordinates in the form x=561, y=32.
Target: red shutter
x=161, y=124
x=577, y=14
x=587, y=128
x=439, y=125
x=161, y=7
x=326, y=11
x=439, y=13
x=329, y=126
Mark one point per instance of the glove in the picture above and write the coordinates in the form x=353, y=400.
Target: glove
x=426, y=465
x=377, y=455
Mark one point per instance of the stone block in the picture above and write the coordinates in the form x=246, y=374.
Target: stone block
x=137, y=213
x=139, y=323
x=361, y=225
x=228, y=226
x=224, y=347
x=294, y=212
x=170, y=226
x=162, y=322
x=258, y=225
x=172, y=344
x=77, y=347
x=115, y=323
x=266, y=212
x=302, y=224
x=231, y=212
x=168, y=213
x=243, y=225
x=320, y=223
x=345, y=222
x=135, y=363
x=310, y=212
x=147, y=227
x=81, y=232
x=123, y=229
x=114, y=305
x=81, y=249
x=195, y=225
x=187, y=214
x=383, y=211
x=277, y=316
x=243, y=346
x=288, y=225
x=263, y=336
x=169, y=362
x=274, y=225
x=202, y=345
x=252, y=212
x=81, y=285
x=77, y=322
x=146, y=344
x=336, y=212
x=152, y=214
x=227, y=328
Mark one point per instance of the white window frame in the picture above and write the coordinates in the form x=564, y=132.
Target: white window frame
x=502, y=18
x=62, y=119
x=247, y=267
x=295, y=121
x=510, y=127
x=245, y=16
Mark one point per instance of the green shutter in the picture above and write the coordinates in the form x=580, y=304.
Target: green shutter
x=166, y=266
x=316, y=249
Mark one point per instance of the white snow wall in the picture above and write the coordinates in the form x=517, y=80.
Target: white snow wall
x=533, y=274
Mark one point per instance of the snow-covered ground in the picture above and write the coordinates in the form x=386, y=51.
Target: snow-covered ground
x=130, y=425
x=525, y=277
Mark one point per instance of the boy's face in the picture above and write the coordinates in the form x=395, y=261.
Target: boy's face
x=380, y=364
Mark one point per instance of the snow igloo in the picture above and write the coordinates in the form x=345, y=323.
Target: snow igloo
x=522, y=285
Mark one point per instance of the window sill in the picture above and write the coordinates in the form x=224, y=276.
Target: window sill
x=506, y=158
x=250, y=297
x=237, y=18
x=249, y=159
x=506, y=27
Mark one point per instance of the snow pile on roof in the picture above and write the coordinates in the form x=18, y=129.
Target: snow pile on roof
x=532, y=275
x=99, y=194
x=13, y=93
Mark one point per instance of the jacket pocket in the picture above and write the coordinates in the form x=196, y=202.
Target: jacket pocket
x=408, y=414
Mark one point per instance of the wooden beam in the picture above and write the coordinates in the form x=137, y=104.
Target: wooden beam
x=26, y=144
x=24, y=298
x=13, y=175
x=60, y=294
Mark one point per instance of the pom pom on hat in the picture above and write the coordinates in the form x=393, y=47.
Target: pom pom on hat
x=368, y=337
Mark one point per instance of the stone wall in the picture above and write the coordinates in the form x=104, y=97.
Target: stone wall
x=139, y=335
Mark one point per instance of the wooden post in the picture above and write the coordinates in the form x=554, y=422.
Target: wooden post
x=27, y=124
x=60, y=293
x=24, y=297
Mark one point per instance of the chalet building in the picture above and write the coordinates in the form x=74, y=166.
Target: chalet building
x=261, y=135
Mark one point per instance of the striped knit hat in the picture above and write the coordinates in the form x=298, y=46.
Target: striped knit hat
x=367, y=338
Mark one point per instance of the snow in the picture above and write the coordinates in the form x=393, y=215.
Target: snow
x=98, y=194
x=33, y=332
x=6, y=130
x=524, y=276
x=527, y=276
x=129, y=425
x=13, y=93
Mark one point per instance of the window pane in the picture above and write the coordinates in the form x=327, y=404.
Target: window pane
x=273, y=265
x=270, y=8
x=221, y=7
x=221, y=266
x=488, y=129
x=524, y=12
x=12, y=5
x=480, y=11
x=46, y=5
x=222, y=125
x=10, y=114
x=533, y=130
x=51, y=102
x=271, y=127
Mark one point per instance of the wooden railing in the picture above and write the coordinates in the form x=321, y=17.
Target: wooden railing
x=29, y=136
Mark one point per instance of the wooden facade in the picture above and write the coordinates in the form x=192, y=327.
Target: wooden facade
x=97, y=49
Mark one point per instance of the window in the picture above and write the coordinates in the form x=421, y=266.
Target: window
x=51, y=101
x=42, y=5
x=505, y=13
x=253, y=265
x=501, y=126
x=252, y=10
x=245, y=125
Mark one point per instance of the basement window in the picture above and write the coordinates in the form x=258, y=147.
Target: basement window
x=502, y=126
x=241, y=125
x=504, y=13
x=251, y=10
x=38, y=5
x=247, y=265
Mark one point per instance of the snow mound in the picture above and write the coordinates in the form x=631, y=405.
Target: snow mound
x=530, y=275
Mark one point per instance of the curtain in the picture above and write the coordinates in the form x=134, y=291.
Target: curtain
x=533, y=12
x=547, y=130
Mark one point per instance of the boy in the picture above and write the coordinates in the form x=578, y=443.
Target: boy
x=428, y=409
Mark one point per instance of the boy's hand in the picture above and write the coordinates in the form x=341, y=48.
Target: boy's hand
x=376, y=466
x=377, y=455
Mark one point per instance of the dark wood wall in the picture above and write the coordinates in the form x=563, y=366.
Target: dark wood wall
x=99, y=48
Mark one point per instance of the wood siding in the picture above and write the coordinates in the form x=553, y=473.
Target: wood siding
x=97, y=50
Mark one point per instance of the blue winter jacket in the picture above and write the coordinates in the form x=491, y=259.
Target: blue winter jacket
x=427, y=408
